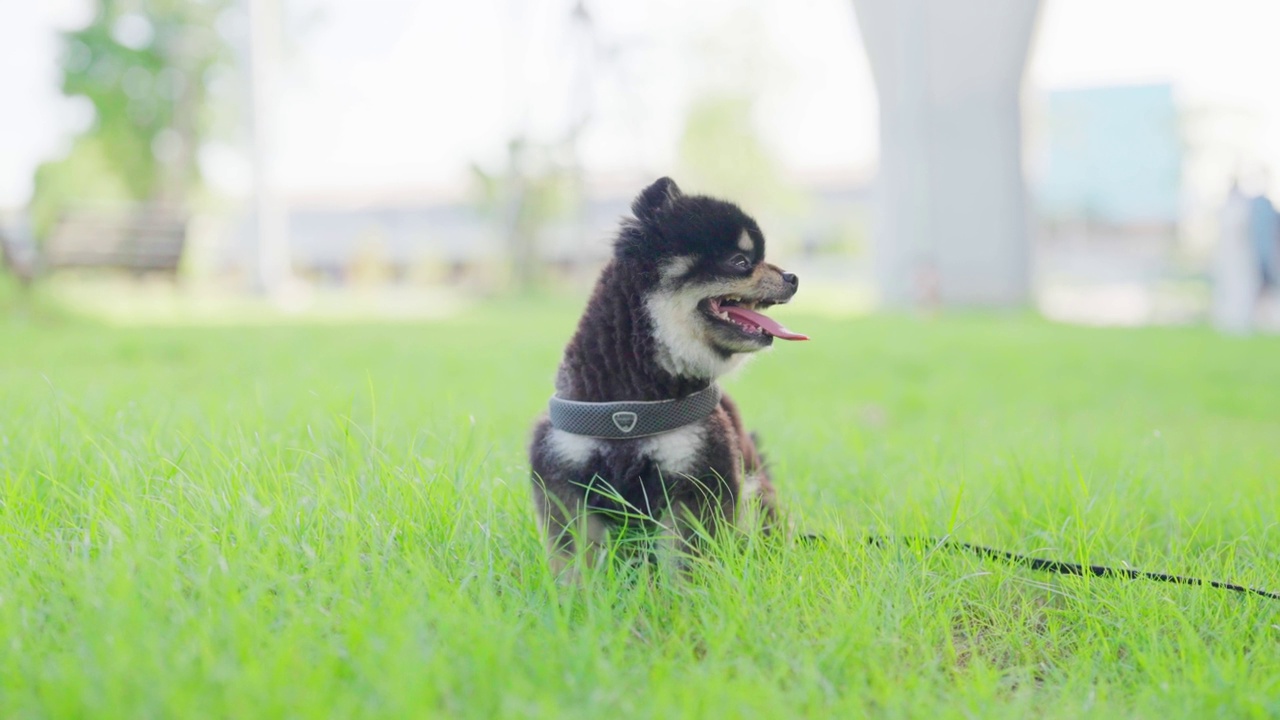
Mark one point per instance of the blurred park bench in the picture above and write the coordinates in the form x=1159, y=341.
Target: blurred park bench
x=139, y=243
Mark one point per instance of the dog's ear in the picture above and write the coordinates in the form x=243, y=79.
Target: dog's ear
x=662, y=192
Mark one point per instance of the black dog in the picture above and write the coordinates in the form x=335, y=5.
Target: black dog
x=676, y=308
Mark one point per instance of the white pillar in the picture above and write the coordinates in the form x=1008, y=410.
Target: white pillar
x=271, y=219
x=952, y=221
x=1236, y=280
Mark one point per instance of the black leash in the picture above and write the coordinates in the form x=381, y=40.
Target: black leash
x=1053, y=566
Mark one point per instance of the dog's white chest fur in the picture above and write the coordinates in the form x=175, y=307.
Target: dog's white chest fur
x=674, y=452
x=572, y=450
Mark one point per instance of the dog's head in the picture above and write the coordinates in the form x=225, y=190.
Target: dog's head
x=709, y=281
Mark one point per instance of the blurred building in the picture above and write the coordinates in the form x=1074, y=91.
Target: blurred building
x=1128, y=182
x=442, y=236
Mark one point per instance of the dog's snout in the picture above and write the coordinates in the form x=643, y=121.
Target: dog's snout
x=791, y=279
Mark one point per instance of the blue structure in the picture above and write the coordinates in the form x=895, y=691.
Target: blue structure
x=1114, y=156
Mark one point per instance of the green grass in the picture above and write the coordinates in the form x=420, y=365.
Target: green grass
x=334, y=522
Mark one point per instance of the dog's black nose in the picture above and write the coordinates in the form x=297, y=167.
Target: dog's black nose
x=791, y=279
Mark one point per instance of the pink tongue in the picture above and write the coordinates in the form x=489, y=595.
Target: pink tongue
x=764, y=322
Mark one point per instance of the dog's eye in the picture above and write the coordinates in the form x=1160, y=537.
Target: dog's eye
x=741, y=262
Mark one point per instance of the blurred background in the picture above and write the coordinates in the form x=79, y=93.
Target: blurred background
x=231, y=160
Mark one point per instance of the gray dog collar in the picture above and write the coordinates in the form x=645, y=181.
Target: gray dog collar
x=626, y=419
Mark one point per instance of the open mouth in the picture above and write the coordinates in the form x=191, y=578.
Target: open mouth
x=743, y=315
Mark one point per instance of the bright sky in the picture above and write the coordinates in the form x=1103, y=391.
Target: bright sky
x=401, y=93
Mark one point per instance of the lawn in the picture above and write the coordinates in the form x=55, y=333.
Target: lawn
x=333, y=521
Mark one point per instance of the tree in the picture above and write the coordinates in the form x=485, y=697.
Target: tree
x=722, y=153
x=144, y=66
x=536, y=186
x=541, y=181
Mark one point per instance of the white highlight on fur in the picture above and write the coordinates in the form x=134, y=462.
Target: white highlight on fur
x=676, y=452
x=673, y=193
x=745, y=243
x=573, y=450
x=676, y=267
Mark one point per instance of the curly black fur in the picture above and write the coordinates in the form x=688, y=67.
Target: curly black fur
x=612, y=354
